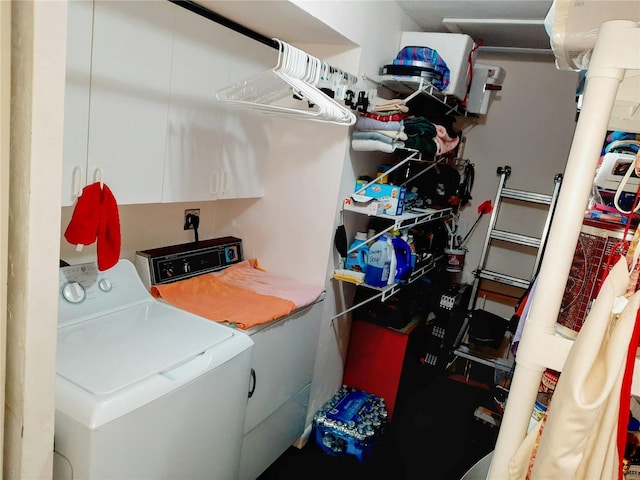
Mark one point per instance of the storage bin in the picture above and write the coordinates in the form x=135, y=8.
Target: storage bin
x=454, y=48
x=350, y=423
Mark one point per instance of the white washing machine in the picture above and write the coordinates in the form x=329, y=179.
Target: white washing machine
x=144, y=390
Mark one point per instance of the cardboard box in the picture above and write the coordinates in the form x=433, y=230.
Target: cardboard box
x=390, y=197
x=454, y=48
x=368, y=207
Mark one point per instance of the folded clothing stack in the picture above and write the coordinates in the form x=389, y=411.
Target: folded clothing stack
x=381, y=128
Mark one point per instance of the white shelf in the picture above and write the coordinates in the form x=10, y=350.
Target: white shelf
x=387, y=291
x=413, y=86
x=498, y=363
x=408, y=219
x=390, y=290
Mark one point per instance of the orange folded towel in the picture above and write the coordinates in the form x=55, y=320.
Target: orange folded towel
x=214, y=299
x=243, y=295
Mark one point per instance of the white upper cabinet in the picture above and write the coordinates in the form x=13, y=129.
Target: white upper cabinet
x=247, y=135
x=213, y=152
x=76, y=99
x=195, y=131
x=130, y=88
x=141, y=108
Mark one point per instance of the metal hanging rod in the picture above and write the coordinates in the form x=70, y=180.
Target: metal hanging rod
x=206, y=13
x=224, y=21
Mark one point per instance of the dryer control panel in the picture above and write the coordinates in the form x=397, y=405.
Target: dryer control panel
x=177, y=262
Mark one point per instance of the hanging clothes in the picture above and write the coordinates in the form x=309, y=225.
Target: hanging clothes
x=577, y=439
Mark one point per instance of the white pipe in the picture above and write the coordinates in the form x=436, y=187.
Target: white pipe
x=603, y=79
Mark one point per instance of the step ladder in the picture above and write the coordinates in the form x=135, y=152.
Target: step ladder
x=539, y=243
x=514, y=287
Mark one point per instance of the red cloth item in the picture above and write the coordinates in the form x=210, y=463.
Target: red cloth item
x=83, y=227
x=625, y=395
x=96, y=217
x=109, y=240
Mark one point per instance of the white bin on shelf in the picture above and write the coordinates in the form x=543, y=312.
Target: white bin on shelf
x=454, y=48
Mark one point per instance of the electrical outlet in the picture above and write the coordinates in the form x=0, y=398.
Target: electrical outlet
x=188, y=223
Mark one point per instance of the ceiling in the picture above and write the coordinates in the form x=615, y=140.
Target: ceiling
x=508, y=25
x=503, y=25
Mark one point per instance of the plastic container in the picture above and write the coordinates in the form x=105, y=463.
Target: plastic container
x=357, y=253
x=414, y=256
x=402, y=252
x=455, y=259
x=376, y=272
x=454, y=48
x=393, y=262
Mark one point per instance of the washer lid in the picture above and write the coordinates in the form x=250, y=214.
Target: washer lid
x=111, y=352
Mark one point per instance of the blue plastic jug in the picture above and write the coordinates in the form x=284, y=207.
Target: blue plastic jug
x=357, y=253
x=403, y=259
x=376, y=273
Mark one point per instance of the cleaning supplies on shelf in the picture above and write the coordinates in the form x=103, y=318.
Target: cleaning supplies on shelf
x=358, y=253
x=393, y=261
x=376, y=272
x=409, y=239
x=350, y=276
x=403, y=254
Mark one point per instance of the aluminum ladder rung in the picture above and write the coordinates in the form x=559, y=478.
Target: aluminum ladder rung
x=504, y=279
x=515, y=238
x=526, y=196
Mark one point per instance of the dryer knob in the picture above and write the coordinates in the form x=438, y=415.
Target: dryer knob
x=73, y=292
x=105, y=285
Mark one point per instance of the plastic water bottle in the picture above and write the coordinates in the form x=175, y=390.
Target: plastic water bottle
x=376, y=272
x=358, y=253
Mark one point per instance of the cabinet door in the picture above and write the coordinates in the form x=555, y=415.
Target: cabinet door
x=213, y=151
x=283, y=359
x=247, y=134
x=196, y=119
x=130, y=80
x=76, y=100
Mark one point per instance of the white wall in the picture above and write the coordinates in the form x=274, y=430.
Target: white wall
x=37, y=83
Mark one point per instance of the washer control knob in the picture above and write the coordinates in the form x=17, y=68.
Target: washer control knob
x=105, y=285
x=73, y=292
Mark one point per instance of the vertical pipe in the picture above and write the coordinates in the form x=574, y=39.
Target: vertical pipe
x=599, y=97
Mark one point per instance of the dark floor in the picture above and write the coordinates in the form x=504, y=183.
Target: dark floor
x=433, y=435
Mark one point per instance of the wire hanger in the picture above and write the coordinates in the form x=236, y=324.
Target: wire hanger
x=288, y=89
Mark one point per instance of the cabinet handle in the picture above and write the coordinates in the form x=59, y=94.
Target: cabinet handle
x=98, y=176
x=225, y=181
x=76, y=182
x=252, y=387
x=214, y=180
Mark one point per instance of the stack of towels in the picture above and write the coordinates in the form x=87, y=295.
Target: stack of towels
x=388, y=125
